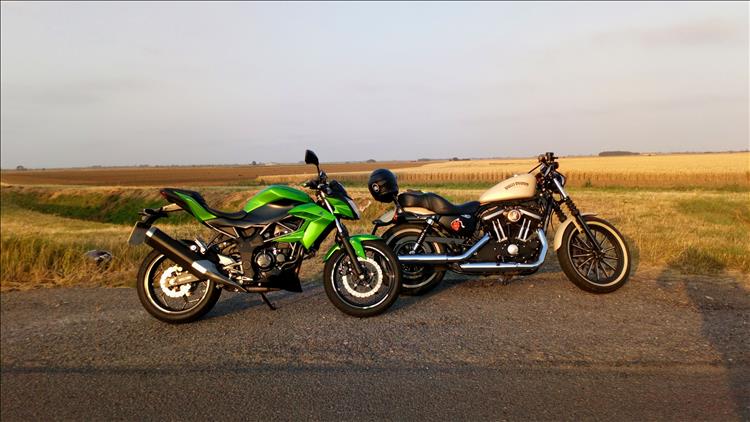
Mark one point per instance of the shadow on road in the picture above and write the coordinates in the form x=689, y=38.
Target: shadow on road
x=723, y=301
x=236, y=303
x=239, y=302
x=550, y=266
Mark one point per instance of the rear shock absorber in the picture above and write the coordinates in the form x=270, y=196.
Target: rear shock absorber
x=430, y=222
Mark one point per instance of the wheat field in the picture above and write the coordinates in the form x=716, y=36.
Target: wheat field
x=713, y=171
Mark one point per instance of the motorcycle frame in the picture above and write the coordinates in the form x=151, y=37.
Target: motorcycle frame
x=549, y=184
x=320, y=217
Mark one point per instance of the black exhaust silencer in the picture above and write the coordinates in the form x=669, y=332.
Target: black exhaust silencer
x=191, y=261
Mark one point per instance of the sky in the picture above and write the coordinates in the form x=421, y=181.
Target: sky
x=155, y=83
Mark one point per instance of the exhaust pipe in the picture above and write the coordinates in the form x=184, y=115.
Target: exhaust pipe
x=194, y=263
x=500, y=266
x=444, y=259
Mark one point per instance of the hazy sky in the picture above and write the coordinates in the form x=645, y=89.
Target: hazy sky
x=182, y=83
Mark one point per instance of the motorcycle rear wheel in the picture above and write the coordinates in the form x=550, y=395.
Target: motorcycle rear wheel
x=415, y=279
x=186, y=305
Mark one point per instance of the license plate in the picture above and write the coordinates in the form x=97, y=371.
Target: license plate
x=137, y=235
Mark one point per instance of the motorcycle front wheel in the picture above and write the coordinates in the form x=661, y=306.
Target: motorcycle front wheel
x=173, y=304
x=368, y=296
x=595, y=271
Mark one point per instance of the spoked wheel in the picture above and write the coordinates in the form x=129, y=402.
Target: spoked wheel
x=416, y=279
x=169, y=302
x=597, y=271
x=369, y=295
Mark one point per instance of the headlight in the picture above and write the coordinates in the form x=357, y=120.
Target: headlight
x=354, y=207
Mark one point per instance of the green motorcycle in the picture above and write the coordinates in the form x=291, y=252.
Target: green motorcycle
x=260, y=249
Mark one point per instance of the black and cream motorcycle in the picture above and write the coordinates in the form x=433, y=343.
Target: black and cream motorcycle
x=505, y=232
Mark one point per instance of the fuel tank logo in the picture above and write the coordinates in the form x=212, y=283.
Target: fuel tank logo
x=514, y=184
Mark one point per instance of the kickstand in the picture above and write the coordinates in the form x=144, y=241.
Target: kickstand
x=268, y=302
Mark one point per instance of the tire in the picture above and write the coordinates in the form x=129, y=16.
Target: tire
x=415, y=279
x=363, y=300
x=158, y=304
x=583, y=269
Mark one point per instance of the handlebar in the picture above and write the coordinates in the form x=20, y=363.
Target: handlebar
x=310, y=183
x=319, y=185
x=548, y=157
x=315, y=183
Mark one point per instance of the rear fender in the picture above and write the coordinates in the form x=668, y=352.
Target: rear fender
x=356, y=242
x=150, y=215
x=563, y=226
x=193, y=207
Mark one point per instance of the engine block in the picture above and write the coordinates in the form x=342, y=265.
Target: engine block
x=513, y=228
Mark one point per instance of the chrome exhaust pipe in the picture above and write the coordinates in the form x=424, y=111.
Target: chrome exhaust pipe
x=444, y=259
x=191, y=261
x=500, y=266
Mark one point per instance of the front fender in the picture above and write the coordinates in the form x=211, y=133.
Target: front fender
x=356, y=242
x=563, y=226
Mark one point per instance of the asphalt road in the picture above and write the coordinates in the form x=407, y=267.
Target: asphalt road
x=664, y=347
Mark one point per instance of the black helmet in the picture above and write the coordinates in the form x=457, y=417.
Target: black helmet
x=383, y=185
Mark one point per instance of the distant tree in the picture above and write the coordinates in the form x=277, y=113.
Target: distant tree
x=254, y=163
x=371, y=161
x=455, y=159
x=20, y=168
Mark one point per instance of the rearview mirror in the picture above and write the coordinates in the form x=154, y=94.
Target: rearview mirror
x=311, y=158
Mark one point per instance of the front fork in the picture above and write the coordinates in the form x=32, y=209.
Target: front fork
x=580, y=222
x=342, y=235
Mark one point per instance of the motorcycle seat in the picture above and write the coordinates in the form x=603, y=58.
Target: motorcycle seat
x=260, y=216
x=170, y=193
x=436, y=203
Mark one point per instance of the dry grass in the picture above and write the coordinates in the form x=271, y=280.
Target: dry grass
x=692, y=231
x=43, y=250
x=47, y=229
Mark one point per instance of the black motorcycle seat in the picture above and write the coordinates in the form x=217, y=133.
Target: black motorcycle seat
x=170, y=193
x=436, y=203
x=260, y=216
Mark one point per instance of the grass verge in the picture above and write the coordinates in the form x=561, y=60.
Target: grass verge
x=47, y=230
